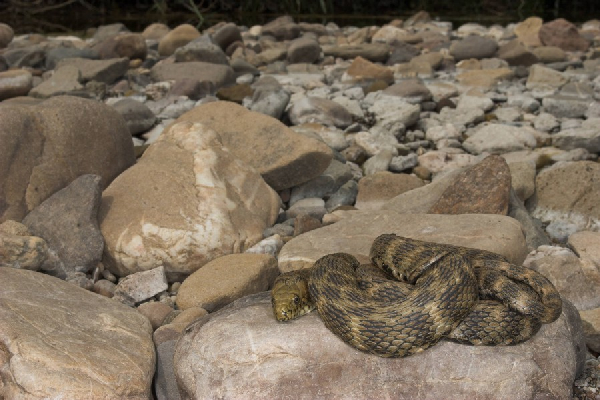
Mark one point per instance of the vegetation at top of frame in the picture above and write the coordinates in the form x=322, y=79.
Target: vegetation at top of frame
x=196, y=12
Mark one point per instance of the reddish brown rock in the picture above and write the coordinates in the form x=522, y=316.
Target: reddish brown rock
x=362, y=69
x=481, y=189
x=305, y=223
x=561, y=33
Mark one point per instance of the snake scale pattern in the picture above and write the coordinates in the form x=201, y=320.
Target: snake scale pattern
x=416, y=293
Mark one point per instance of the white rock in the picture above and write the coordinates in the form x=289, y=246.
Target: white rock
x=497, y=139
x=141, y=286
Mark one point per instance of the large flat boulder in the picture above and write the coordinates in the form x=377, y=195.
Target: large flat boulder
x=355, y=234
x=60, y=341
x=243, y=352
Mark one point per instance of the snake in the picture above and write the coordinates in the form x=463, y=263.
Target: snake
x=416, y=293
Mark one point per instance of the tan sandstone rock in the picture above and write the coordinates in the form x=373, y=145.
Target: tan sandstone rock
x=47, y=146
x=528, y=30
x=374, y=190
x=243, y=352
x=283, y=157
x=576, y=280
x=61, y=341
x=355, y=234
x=226, y=279
x=485, y=79
x=187, y=201
x=567, y=197
x=22, y=251
x=180, y=36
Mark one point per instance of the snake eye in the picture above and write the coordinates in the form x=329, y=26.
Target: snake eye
x=296, y=299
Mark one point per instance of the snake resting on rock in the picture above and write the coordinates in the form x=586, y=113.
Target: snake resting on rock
x=417, y=293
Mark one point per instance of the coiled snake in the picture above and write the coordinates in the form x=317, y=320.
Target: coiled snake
x=437, y=291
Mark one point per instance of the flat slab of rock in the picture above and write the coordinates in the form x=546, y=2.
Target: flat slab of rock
x=106, y=71
x=283, y=157
x=355, y=234
x=60, y=341
x=241, y=352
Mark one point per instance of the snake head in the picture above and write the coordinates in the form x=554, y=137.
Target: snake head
x=290, y=297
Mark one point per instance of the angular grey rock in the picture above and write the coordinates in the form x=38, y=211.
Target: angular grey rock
x=313, y=206
x=282, y=28
x=584, y=138
x=165, y=384
x=412, y=90
x=54, y=56
x=379, y=162
x=226, y=35
x=269, y=98
x=402, y=163
x=473, y=46
x=371, y=51
x=138, y=117
x=106, y=71
x=242, y=351
x=61, y=341
x=106, y=31
x=141, y=286
x=68, y=222
x=535, y=235
x=344, y=196
x=566, y=106
x=327, y=183
x=303, y=50
x=219, y=75
x=524, y=102
x=25, y=57
x=65, y=80
x=545, y=122
x=319, y=110
x=128, y=45
x=201, y=50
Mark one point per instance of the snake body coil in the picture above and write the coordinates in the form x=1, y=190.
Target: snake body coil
x=438, y=291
